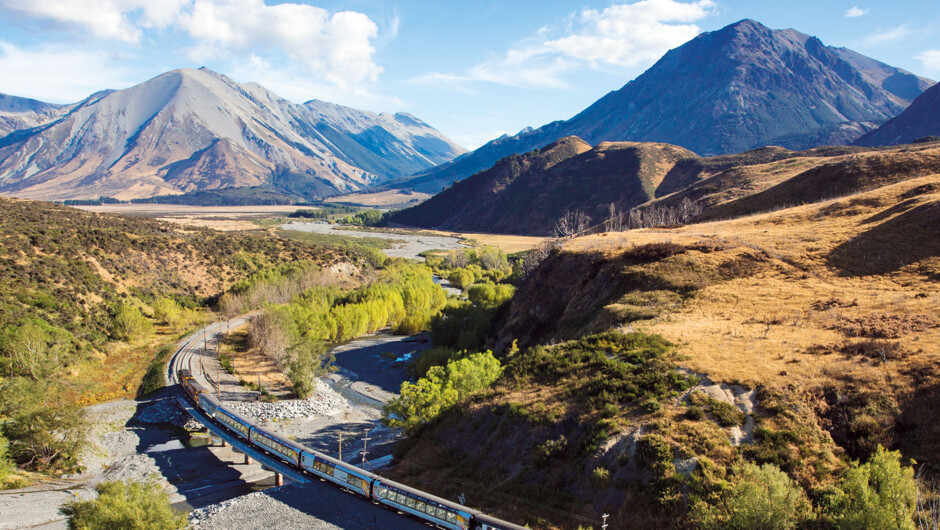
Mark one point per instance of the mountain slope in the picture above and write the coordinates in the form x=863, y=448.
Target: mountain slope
x=190, y=130
x=741, y=87
x=23, y=113
x=919, y=120
x=525, y=194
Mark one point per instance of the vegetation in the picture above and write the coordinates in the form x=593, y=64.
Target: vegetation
x=86, y=300
x=442, y=388
x=130, y=505
x=758, y=497
x=369, y=217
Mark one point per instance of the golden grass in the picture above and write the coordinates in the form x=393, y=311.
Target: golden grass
x=382, y=199
x=758, y=329
x=251, y=364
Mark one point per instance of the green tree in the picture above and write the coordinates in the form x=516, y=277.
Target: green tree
x=758, y=497
x=880, y=493
x=33, y=351
x=421, y=402
x=461, y=278
x=169, y=312
x=306, y=364
x=129, y=323
x=125, y=505
x=45, y=433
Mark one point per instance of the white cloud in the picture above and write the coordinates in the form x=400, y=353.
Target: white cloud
x=855, y=12
x=333, y=46
x=885, y=36
x=622, y=35
x=75, y=74
x=930, y=60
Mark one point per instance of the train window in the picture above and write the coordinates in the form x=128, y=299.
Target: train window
x=420, y=506
x=451, y=517
x=441, y=514
x=410, y=502
x=381, y=492
x=352, y=479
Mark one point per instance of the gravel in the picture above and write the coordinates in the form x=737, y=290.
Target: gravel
x=411, y=245
x=324, y=402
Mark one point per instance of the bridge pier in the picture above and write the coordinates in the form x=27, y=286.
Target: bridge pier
x=223, y=442
x=278, y=479
x=247, y=459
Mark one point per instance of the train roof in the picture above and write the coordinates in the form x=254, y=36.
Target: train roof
x=340, y=463
x=212, y=399
x=428, y=496
x=234, y=414
x=280, y=438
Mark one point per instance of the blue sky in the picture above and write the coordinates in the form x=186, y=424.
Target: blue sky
x=474, y=69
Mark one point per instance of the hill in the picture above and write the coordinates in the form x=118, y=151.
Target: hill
x=653, y=364
x=726, y=91
x=921, y=119
x=196, y=130
x=24, y=113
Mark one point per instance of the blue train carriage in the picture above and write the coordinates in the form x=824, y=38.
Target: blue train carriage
x=481, y=521
x=209, y=403
x=418, y=503
x=337, y=471
x=272, y=443
x=234, y=421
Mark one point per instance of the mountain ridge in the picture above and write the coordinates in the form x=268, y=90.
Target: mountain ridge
x=758, y=87
x=171, y=133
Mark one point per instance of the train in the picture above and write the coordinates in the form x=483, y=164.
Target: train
x=435, y=510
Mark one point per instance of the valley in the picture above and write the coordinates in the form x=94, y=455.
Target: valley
x=707, y=298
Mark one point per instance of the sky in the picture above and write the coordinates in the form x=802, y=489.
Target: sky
x=474, y=69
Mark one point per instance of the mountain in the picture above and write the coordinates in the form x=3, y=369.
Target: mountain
x=726, y=91
x=191, y=130
x=24, y=113
x=526, y=194
x=921, y=119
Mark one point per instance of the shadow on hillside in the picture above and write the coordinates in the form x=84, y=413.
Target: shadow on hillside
x=918, y=431
x=907, y=238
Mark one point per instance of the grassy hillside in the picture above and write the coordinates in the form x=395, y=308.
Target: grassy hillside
x=526, y=194
x=87, y=300
x=800, y=340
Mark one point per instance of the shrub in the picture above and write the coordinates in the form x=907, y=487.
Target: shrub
x=129, y=323
x=421, y=402
x=130, y=505
x=758, y=497
x=601, y=476
x=461, y=278
x=878, y=494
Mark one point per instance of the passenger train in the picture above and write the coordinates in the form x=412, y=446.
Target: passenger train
x=435, y=510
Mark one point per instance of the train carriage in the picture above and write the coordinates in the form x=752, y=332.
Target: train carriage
x=420, y=504
x=234, y=421
x=209, y=403
x=275, y=444
x=337, y=471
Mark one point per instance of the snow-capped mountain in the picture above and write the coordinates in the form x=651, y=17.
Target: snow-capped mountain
x=189, y=130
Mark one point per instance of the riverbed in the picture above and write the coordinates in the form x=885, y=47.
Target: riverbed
x=405, y=245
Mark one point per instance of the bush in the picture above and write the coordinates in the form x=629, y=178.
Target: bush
x=129, y=323
x=421, y=402
x=45, y=434
x=461, y=278
x=154, y=379
x=878, y=494
x=126, y=505
x=759, y=497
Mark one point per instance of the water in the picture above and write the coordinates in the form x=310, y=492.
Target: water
x=180, y=443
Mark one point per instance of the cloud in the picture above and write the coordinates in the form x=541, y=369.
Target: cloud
x=855, y=12
x=75, y=75
x=333, y=46
x=930, y=60
x=885, y=36
x=622, y=35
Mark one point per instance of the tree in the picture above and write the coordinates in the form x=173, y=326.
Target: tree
x=571, y=224
x=129, y=323
x=44, y=431
x=306, y=364
x=273, y=331
x=33, y=351
x=421, y=402
x=759, y=497
x=614, y=222
x=168, y=312
x=878, y=494
x=126, y=505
